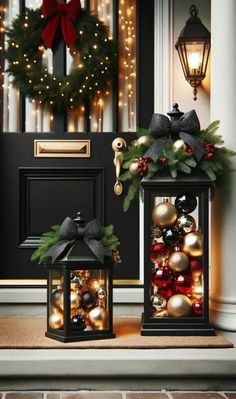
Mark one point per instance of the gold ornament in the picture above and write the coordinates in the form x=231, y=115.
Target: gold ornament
x=186, y=223
x=101, y=293
x=134, y=169
x=193, y=244
x=56, y=296
x=162, y=313
x=179, y=306
x=98, y=318
x=56, y=319
x=178, y=261
x=143, y=140
x=74, y=300
x=179, y=146
x=158, y=302
x=164, y=214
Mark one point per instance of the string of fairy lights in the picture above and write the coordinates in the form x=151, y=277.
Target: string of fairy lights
x=39, y=117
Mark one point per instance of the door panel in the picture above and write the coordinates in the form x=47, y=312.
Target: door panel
x=38, y=192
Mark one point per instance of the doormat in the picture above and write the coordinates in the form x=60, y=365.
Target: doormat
x=28, y=333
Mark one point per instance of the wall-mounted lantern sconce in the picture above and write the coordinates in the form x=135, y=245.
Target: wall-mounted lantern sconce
x=193, y=46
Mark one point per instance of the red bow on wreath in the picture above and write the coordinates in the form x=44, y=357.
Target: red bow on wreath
x=60, y=14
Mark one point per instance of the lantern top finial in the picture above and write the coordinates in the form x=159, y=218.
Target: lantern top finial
x=193, y=11
x=79, y=220
x=175, y=113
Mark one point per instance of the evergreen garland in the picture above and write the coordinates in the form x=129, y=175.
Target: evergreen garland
x=215, y=162
x=95, y=54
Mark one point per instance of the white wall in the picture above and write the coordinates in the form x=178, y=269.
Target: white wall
x=182, y=91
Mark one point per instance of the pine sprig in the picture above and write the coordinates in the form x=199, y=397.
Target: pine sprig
x=47, y=241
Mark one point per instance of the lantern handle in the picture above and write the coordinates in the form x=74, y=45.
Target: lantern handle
x=193, y=11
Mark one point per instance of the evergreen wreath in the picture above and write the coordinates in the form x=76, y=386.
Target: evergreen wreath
x=96, y=66
x=216, y=161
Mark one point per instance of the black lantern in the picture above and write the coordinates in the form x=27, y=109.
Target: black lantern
x=79, y=294
x=193, y=46
x=176, y=255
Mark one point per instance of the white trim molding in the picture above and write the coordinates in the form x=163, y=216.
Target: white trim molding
x=163, y=55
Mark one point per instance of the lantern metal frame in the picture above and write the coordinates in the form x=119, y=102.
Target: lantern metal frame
x=79, y=257
x=164, y=185
x=194, y=33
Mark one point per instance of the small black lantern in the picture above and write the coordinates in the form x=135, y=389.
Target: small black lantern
x=79, y=294
x=176, y=255
x=193, y=46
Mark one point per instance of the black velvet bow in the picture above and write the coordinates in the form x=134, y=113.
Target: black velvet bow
x=165, y=131
x=69, y=232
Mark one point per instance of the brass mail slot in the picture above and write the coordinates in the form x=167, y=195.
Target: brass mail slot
x=62, y=148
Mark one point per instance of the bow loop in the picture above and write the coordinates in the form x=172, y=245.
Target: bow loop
x=165, y=130
x=63, y=15
x=68, y=229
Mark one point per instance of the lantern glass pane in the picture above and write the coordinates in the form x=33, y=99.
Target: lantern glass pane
x=176, y=257
x=89, y=297
x=56, y=298
x=195, y=57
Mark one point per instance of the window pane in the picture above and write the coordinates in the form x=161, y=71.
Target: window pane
x=39, y=117
x=127, y=65
x=9, y=95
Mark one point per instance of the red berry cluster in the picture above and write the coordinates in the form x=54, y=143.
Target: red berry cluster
x=210, y=150
x=189, y=151
x=143, y=165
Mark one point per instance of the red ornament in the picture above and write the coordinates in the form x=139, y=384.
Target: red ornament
x=195, y=264
x=143, y=165
x=183, y=284
x=209, y=155
x=167, y=292
x=63, y=15
x=198, y=307
x=159, y=252
x=162, y=277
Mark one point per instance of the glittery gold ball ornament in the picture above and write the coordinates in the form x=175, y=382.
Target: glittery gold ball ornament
x=178, y=261
x=179, y=306
x=74, y=300
x=98, y=318
x=143, y=140
x=179, y=146
x=56, y=319
x=164, y=214
x=193, y=244
x=101, y=293
x=186, y=224
x=134, y=169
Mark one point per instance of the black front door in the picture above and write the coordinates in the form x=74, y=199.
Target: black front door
x=42, y=182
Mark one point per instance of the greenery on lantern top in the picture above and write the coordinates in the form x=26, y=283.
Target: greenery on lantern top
x=109, y=240
x=176, y=159
x=94, y=61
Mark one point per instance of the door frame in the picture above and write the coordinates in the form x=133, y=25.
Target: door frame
x=17, y=291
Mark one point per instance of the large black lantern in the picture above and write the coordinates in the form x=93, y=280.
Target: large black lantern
x=176, y=255
x=193, y=46
x=79, y=293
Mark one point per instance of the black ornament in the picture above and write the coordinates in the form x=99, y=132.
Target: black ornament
x=186, y=203
x=77, y=323
x=88, y=300
x=171, y=237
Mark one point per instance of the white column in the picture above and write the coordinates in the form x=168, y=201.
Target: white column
x=223, y=106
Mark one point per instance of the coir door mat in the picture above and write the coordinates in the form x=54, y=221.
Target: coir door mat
x=28, y=333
